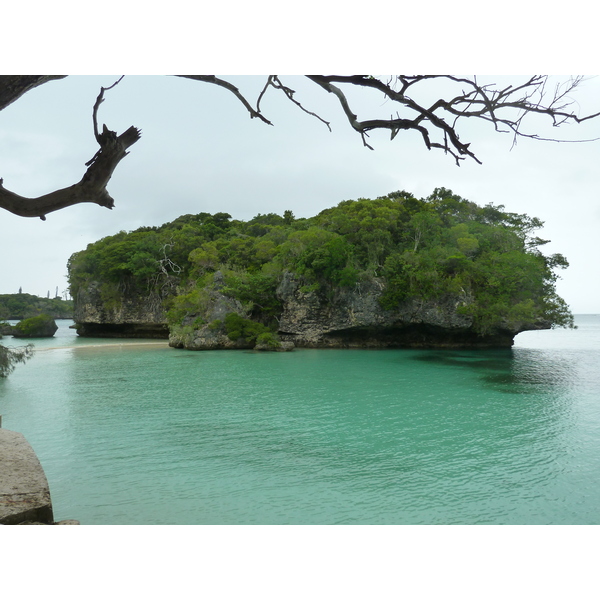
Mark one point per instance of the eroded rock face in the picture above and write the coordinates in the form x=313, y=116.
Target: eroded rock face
x=204, y=330
x=205, y=339
x=312, y=318
x=353, y=318
x=131, y=315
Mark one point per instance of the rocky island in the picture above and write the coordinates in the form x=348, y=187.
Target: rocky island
x=397, y=271
x=35, y=327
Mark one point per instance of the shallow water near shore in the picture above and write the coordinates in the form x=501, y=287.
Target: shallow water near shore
x=135, y=432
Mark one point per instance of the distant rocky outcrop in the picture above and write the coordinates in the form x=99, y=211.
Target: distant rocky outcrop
x=5, y=328
x=35, y=327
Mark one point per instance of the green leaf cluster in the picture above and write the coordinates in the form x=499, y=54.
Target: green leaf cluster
x=180, y=307
x=252, y=332
x=147, y=257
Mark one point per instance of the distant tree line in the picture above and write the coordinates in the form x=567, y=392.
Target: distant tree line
x=23, y=306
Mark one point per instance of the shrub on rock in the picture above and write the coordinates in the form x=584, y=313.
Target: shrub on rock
x=40, y=326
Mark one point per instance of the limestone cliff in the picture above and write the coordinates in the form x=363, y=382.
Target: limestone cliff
x=354, y=318
x=127, y=315
x=202, y=329
x=349, y=317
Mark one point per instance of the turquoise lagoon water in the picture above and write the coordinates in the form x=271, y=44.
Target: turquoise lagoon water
x=134, y=432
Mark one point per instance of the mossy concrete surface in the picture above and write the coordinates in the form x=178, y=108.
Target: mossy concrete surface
x=24, y=491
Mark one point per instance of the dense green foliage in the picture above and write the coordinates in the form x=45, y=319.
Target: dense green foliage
x=34, y=325
x=420, y=248
x=252, y=332
x=23, y=306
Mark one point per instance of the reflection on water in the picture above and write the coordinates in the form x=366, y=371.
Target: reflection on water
x=514, y=371
x=149, y=434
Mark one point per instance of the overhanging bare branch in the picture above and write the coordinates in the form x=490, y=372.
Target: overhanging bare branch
x=275, y=83
x=12, y=87
x=254, y=112
x=99, y=101
x=438, y=122
x=91, y=188
x=505, y=108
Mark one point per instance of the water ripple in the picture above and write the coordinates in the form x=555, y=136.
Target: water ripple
x=135, y=434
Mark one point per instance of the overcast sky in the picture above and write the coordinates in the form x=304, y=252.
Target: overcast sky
x=200, y=152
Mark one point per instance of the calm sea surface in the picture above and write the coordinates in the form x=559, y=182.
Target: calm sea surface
x=134, y=432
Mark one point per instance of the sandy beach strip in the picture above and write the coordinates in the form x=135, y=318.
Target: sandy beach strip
x=109, y=345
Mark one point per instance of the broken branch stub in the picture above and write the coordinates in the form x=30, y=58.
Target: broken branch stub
x=91, y=188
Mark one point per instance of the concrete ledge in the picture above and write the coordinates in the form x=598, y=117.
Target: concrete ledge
x=24, y=491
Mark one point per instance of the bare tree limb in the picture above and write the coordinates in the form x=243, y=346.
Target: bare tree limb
x=272, y=81
x=12, y=87
x=275, y=82
x=99, y=101
x=91, y=188
x=438, y=123
x=254, y=112
x=505, y=108
x=457, y=149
